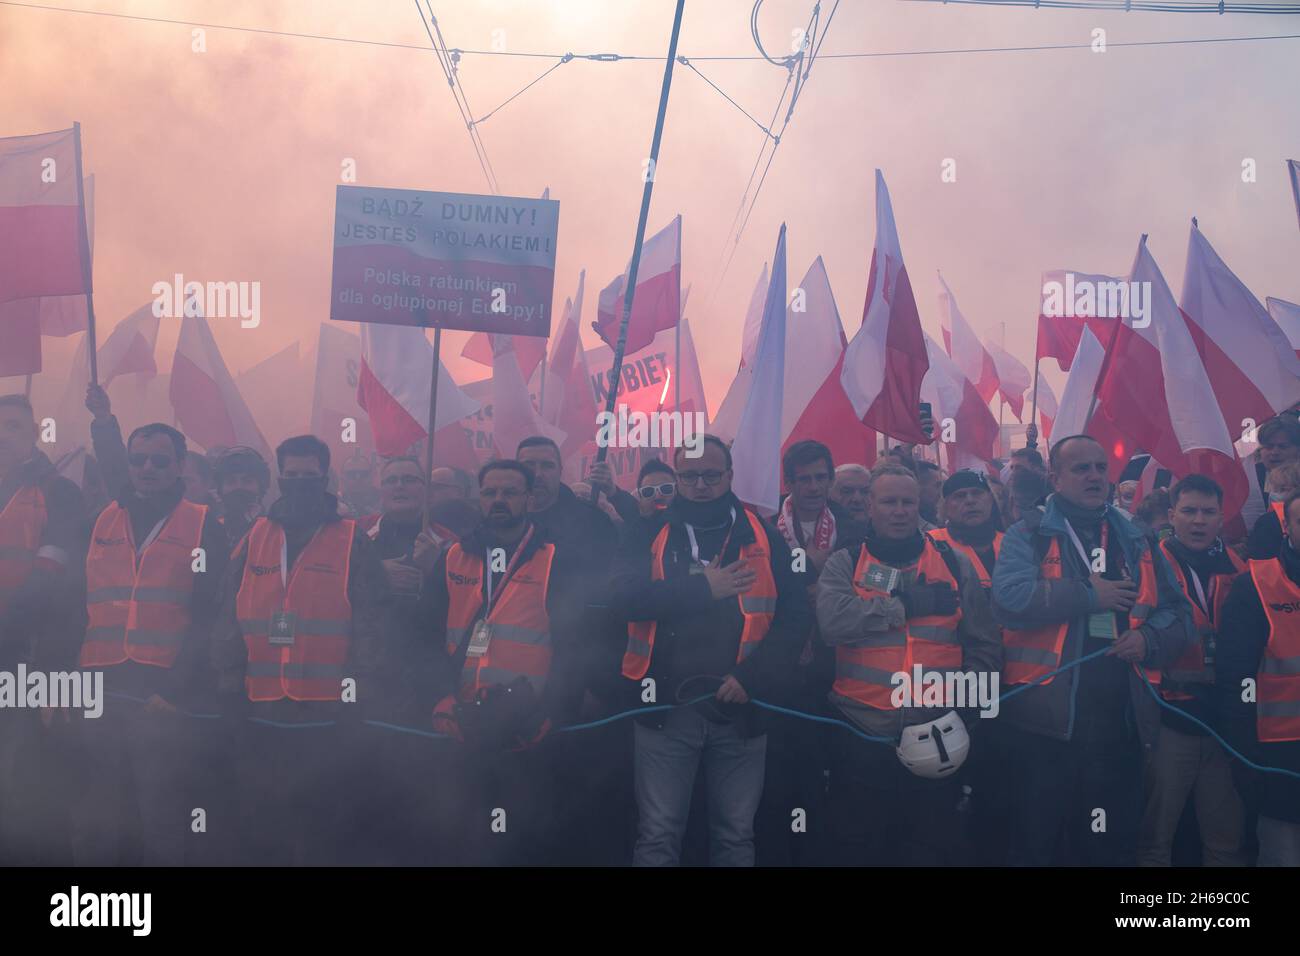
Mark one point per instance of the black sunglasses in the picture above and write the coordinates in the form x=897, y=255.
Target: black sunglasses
x=663, y=491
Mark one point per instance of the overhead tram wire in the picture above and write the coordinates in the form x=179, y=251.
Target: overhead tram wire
x=1125, y=6
x=703, y=58
x=448, y=64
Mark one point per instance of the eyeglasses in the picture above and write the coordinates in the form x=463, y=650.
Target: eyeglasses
x=711, y=478
x=392, y=481
x=663, y=491
x=138, y=459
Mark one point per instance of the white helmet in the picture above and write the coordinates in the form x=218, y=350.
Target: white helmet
x=935, y=749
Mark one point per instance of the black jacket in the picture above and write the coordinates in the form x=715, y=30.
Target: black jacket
x=1266, y=538
x=686, y=613
x=1242, y=638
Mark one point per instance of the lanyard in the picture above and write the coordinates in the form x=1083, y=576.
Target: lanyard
x=505, y=577
x=722, y=552
x=1200, y=593
x=149, y=539
x=1087, y=561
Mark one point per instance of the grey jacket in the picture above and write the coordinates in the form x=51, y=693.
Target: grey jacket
x=1023, y=600
x=844, y=617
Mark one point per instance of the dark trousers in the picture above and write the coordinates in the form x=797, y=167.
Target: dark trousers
x=1076, y=803
x=881, y=814
x=396, y=789
x=790, y=828
x=296, y=794
x=135, y=803
x=37, y=781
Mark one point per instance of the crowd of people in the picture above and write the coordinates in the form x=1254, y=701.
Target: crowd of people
x=443, y=668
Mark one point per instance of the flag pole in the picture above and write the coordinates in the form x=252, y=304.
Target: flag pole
x=1105, y=361
x=27, y=389
x=86, y=269
x=433, y=418
x=621, y=346
x=677, y=364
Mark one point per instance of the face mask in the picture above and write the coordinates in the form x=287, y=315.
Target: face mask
x=301, y=497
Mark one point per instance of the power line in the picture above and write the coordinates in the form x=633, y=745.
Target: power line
x=619, y=57
x=1217, y=7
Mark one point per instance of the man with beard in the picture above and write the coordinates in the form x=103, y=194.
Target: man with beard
x=42, y=620
x=297, y=644
x=501, y=604
x=713, y=609
x=153, y=571
x=1189, y=762
x=852, y=482
x=972, y=525
x=1074, y=581
x=893, y=601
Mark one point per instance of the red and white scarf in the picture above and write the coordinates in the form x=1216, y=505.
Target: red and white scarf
x=788, y=525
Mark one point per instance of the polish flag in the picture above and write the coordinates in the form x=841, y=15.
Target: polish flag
x=334, y=393
x=727, y=420
x=756, y=452
x=1072, y=414
x=393, y=387
x=1063, y=312
x=1013, y=378
x=1047, y=407
x=208, y=405
x=1251, y=363
x=1287, y=316
x=21, y=337
x=514, y=417
x=964, y=346
x=886, y=361
x=1158, y=393
x=569, y=404
x=657, y=304
x=953, y=395
x=41, y=218
x=130, y=346
x=530, y=350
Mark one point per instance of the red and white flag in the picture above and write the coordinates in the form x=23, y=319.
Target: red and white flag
x=1293, y=172
x=514, y=417
x=569, y=404
x=1071, y=416
x=130, y=346
x=756, y=452
x=727, y=420
x=1251, y=363
x=334, y=394
x=208, y=406
x=886, y=361
x=41, y=219
x=1287, y=316
x=954, y=397
x=20, y=336
x=530, y=350
x=393, y=387
x=964, y=346
x=1047, y=407
x=1068, y=300
x=1013, y=378
x=657, y=304
x=1158, y=394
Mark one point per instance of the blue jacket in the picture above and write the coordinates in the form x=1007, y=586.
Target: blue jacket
x=1023, y=600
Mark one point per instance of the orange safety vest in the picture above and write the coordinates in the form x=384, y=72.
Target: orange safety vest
x=1029, y=654
x=1277, y=683
x=312, y=667
x=22, y=522
x=1279, y=509
x=864, y=671
x=139, y=601
x=757, y=605
x=1191, y=666
x=520, y=644
x=984, y=574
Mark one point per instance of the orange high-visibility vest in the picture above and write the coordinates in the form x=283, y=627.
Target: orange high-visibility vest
x=1029, y=654
x=1279, y=508
x=139, y=603
x=1191, y=668
x=520, y=644
x=22, y=522
x=984, y=574
x=312, y=667
x=757, y=605
x=864, y=671
x=1277, y=683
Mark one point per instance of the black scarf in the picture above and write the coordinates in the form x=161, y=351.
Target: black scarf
x=979, y=536
x=704, y=515
x=323, y=509
x=1213, y=560
x=896, y=552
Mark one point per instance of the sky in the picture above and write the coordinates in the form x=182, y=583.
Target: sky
x=222, y=164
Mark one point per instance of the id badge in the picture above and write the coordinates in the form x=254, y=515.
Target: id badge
x=696, y=568
x=283, y=626
x=880, y=577
x=1207, y=647
x=479, y=640
x=1102, y=625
